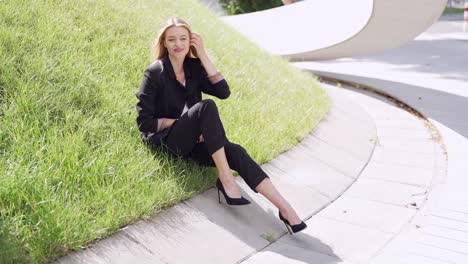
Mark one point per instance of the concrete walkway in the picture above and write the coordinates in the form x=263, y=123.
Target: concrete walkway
x=431, y=75
x=379, y=206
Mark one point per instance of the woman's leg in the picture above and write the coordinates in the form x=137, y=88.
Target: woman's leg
x=225, y=174
x=239, y=160
x=267, y=189
x=203, y=118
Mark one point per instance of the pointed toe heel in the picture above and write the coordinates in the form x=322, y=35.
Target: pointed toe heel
x=229, y=200
x=292, y=228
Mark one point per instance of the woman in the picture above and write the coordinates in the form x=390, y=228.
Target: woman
x=172, y=116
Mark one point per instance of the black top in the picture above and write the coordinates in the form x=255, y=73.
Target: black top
x=162, y=95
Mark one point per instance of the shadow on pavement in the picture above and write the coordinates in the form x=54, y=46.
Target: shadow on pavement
x=438, y=105
x=444, y=57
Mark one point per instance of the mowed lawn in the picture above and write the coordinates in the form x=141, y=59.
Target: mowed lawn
x=72, y=165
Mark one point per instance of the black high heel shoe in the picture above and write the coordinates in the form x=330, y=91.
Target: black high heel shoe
x=292, y=228
x=229, y=200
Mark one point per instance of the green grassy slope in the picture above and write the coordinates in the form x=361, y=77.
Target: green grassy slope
x=72, y=166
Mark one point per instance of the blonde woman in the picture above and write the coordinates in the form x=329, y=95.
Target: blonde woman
x=172, y=116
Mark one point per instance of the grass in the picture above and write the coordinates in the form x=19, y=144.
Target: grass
x=72, y=166
x=450, y=10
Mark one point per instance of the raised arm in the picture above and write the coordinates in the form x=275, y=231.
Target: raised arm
x=212, y=81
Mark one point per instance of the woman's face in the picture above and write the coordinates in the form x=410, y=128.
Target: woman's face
x=177, y=41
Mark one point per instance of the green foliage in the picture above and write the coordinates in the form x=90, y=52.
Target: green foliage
x=11, y=250
x=270, y=236
x=235, y=7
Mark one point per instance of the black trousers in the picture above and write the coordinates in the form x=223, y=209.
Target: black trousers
x=203, y=118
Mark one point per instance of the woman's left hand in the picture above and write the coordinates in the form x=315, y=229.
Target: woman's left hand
x=197, y=42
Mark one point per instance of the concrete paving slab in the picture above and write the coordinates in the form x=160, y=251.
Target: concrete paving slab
x=120, y=249
x=325, y=179
x=414, y=125
x=415, y=146
x=343, y=105
x=419, y=132
x=388, y=192
x=312, y=173
x=453, y=201
x=408, y=258
x=418, y=146
x=180, y=229
x=410, y=159
x=306, y=201
x=410, y=245
x=370, y=214
x=362, y=134
x=398, y=124
x=279, y=253
x=448, y=223
x=445, y=243
x=454, y=215
x=344, y=162
x=454, y=198
x=390, y=112
x=444, y=232
x=438, y=253
x=343, y=240
x=399, y=174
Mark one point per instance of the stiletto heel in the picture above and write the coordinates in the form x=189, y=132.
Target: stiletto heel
x=288, y=228
x=229, y=200
x=292, y=228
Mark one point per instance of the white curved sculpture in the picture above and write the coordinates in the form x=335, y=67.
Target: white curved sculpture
x=319, y=30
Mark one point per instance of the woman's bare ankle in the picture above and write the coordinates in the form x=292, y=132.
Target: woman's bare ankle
x=230, y=185
x=291, y=216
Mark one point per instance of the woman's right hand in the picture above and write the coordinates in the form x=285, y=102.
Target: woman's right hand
x=168, y=122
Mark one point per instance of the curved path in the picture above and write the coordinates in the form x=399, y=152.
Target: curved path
x=430, y=75
x=383, y=201
x=318, y=30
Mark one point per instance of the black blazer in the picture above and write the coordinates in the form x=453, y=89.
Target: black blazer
x=162, y=95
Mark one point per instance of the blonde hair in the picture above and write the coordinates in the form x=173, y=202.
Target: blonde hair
x=159, y=51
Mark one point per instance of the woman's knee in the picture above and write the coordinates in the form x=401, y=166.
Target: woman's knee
x=235, y=154
x=209, y=106
x=234, y=148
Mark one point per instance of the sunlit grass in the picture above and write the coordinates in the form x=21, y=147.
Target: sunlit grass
x=72, y=165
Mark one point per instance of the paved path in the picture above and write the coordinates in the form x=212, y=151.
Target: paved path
x=430, y=74
x=380, y=204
